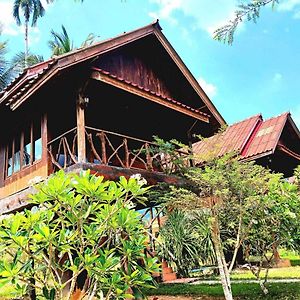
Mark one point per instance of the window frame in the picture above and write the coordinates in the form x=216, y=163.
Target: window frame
x=11, y=145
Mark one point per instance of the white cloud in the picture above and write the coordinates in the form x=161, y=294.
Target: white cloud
x=291, y=5
x=288, y=5
x=9, y=26
x=277, y=77
x=209, y=88
x=166, y=8
x=208, y=15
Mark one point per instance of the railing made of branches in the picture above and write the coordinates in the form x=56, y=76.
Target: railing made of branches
x=109, y=148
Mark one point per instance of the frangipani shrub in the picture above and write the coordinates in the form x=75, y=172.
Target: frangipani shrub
x=82, y=236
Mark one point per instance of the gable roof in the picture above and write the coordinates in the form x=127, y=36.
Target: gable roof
x=34, y=77
x=250, y=139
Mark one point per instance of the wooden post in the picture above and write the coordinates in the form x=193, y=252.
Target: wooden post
x=103, y=147
x=81, y=145
x=126, y=153
x=44, y=135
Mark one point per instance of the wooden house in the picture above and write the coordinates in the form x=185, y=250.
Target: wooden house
x=98, y=108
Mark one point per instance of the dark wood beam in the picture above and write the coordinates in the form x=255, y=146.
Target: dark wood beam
x=288, y=151
x=105, y=78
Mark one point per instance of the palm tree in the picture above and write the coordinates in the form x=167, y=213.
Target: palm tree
x=5, y=70
x=31, y=9
x=18, y=61
x=61, y=42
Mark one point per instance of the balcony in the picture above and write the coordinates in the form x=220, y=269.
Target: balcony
x=109, y=149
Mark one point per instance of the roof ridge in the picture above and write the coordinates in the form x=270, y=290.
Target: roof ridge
x=275, y=117
x=56, y=57
x=251, y=117
x=153, y=24
x=251, y=137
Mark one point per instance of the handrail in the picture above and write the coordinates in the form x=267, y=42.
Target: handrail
x=148, y=155
x=121, y=135
x=60, y=136
x=130, y=137
x=109, y=132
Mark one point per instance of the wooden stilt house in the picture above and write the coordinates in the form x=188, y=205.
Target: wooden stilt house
x=98, y=108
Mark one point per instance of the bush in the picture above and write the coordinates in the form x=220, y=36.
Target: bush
x=81, y=236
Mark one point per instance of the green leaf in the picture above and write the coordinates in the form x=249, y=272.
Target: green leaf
x=52, y=294
x=45, y=292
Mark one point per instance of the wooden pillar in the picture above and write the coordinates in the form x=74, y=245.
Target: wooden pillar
x=44, y=135
x=81, y=144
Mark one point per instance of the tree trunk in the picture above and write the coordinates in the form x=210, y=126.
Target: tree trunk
x=276, y=253
x=32, y=291
x=237, y=244
x=26, y=44
x=224, y=274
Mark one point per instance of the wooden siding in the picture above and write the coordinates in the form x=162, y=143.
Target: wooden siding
x=20, y=180
x=135, y=69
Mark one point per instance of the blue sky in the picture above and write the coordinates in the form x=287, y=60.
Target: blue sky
x=259, y=73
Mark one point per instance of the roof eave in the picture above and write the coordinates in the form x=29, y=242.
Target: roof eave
x=78, y=56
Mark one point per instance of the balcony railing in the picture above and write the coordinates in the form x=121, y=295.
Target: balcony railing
x=114, y=149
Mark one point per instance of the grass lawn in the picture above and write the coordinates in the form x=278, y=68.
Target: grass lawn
x=290, y=272
x=251, y=291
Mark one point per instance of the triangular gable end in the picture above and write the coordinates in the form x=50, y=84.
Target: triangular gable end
x=191, y=94
x=289, y=140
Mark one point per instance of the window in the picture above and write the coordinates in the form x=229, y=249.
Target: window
x=24, y=149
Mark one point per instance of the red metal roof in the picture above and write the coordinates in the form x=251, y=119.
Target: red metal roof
x=266, y=137
x=234, y=138
x=249, y=138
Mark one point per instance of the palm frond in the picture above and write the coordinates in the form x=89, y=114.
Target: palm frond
x=90, y=39
x=61, y=42
x=5, y=71
x=19, y=63
x=38, y=11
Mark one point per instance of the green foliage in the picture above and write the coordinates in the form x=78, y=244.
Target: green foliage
x=185, y=241
x=297, y=176
x=5, y=71
x=61, y=43
x=249, y=11
x=30, y=8
x=170, y=156
x=81, y=231
x=20, y=61
x=247, y=208
x=275, y=222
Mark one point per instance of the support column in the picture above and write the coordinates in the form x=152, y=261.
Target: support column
x=80, y=116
